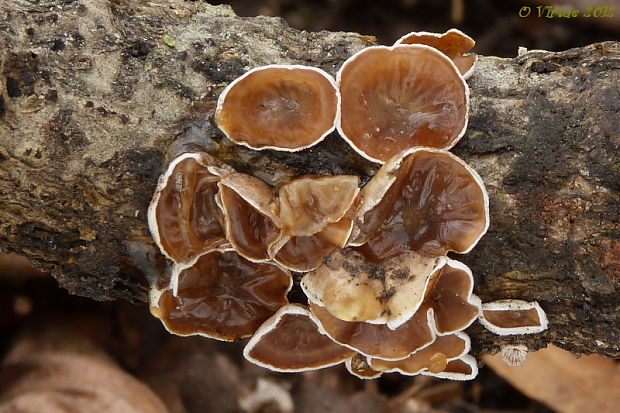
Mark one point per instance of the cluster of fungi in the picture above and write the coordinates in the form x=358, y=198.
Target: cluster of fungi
x=381, y=294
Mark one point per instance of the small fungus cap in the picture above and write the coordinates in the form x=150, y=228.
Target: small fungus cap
x=183, y=215
x=463, y=368
x=400, y=97
x=290, y=341
x=424, y=200
x=221, y=295
x=359, y=367
x=353, y=289
x=283, y=107
x=506, y=317
x=453, y=43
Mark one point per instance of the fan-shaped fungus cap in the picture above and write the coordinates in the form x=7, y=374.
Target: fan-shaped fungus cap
x=312, y=215
x=353, y=289
x=290, y=341
x=377, y=340
x=424, y=200
x=249, y=208
x=183, y=216
x=359, y=367
x=284, y=107
x=221, y=295
x=453, y=43
x=400, y=97
x=507, y=317
x=450, y=296
x=433, y=358
x=463, y=368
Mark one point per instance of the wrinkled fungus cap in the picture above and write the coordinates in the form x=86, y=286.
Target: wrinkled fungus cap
x=183, y=216
x=433, y=358
x=507, y=317
x=221, y=295
x=290, y=341
x=463, y=368
x=424, y=200
x=400, y=97
x=249, y=209
x=353, y=289
x=283, y=107
x=377, y=340
x=450, y=296
x=453, y=43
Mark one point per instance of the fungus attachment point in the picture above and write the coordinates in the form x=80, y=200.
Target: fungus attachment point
x=359, y=367
x=453, y=43
x=222, y=295
x=184, y=218
x=354, y=290
x=249, y=211
x=433, y=358
x=290, y=341
x=400, y=97
x=514, y=354
x=282, y=107
x=507, y=317
x=377, y=340
x=424, y=200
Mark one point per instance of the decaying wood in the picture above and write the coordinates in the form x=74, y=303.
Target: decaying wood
x=96, y=97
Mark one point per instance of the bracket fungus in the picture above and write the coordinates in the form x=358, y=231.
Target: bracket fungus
x=183, y=216
x=425, y=200
x=290, y=341
x=506, y=317
x=400, y=97
x=221, y=295
x=382, y=295
x=283, y=107
x=454, y=43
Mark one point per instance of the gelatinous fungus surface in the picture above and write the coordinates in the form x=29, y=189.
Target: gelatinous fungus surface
x=506, y=317
x=184, y=218
x=396, y=98
x=452, y=43
x=424, y=200
x=279, y=107
x=223, y=296
x=290, y=341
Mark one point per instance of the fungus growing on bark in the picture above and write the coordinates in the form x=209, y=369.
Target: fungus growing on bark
x=354, y=290
x=312, y=215
x=183, y=216
x=249, y=209
x=377, y=340
x=284, y=107
x=453, y=43
x=424, y=200
x=400, y=97
x=433, y=358
x=221, y=295
x=507, y=317
x=514, y=354
x=290, y=341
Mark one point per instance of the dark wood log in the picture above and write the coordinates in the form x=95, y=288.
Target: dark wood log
x=96, y=97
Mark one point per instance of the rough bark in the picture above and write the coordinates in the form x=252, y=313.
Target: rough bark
x=94, y=103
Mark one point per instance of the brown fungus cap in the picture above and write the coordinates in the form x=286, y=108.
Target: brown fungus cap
x=400, y=97
x=377, y=340
x=353, y=289
x=424, y=200
x=433, y=358
x=283, y=107
x=183, y=216
x=463, y=368
x=249, y=209
x=450, y=296
x=507, y=317
x=453, y=43
x=359, y=367
x=221, y=295
x=290, y=341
